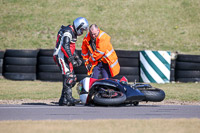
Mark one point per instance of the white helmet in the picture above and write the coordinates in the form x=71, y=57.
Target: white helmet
x=80, y=24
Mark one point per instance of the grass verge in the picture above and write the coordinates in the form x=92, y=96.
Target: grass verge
x=133, y=24
x=103, y=126
x=38, y=90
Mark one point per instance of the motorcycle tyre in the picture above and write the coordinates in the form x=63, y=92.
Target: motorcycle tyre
x=109, y=101
x=154, y=95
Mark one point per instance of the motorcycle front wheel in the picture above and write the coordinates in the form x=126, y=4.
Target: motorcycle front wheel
x=153, y=95
x=113, y=98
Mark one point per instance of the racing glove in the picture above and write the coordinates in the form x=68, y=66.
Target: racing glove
x=78, y=60
x=73, y=61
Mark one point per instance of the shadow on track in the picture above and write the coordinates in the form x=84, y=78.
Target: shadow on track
x=51, y=104
x=91, y=105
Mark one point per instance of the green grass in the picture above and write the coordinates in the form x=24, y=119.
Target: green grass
x=181, y=91
x=102, y=126
x=172, y=25
x=38, y=90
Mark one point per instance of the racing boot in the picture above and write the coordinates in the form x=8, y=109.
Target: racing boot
x=63, y=98
x=70, y=100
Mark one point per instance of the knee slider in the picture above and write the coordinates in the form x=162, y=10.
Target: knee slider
x=70, y=79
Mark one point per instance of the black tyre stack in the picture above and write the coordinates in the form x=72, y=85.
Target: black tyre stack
x=188, y=68
x=172, y=70
x=1, y=63
x=129, y=65
x=20, y=64
x=47, y=69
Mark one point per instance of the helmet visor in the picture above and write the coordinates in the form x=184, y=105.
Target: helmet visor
x=83, y=29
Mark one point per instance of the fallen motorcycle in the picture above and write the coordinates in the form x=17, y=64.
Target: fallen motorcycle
x=109, y=92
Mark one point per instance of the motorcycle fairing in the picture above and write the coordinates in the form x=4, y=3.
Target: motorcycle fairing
x=133, y=94
x=84, y=87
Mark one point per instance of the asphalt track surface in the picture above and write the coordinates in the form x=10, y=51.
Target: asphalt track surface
x=80, y=112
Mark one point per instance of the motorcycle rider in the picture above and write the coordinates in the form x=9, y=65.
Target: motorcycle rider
x=66, y=57
x=98, y=54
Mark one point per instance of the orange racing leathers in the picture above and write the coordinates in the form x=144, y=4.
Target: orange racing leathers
x=104, y=52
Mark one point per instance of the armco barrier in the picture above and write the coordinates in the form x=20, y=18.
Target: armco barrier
x=38, y=64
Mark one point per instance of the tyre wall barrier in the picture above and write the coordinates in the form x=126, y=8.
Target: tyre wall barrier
x=187, y=68
x=47, y=69
x=172, y=70
x=129, y=65
x=20, y=64
x=1, y=62
x=39, y=64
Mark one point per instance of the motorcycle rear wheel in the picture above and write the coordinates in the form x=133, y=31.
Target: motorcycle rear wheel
x=105, y=100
